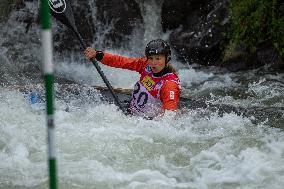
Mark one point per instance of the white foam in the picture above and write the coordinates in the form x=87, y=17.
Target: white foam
x=100, y=147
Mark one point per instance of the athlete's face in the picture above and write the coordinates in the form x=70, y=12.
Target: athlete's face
x=157, y=62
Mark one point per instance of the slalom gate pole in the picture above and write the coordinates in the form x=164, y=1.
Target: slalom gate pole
x=49, y=80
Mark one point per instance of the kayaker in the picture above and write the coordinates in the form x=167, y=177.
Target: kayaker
x=158, y=89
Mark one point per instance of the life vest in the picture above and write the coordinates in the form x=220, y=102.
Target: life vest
x=146, y=95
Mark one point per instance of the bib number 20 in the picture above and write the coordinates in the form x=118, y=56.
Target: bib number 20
x=140, y=97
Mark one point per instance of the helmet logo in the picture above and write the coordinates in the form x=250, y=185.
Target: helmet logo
x=57, y=6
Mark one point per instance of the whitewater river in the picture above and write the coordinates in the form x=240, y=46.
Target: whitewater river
x=99, y=147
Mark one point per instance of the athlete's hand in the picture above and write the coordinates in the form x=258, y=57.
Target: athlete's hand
x=90, y=53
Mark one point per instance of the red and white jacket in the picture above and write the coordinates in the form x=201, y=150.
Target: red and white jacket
x=152, y=95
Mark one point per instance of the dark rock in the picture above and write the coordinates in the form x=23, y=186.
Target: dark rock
x=121, y=16
x=198, y=27
x=181, y=13
x=174, y=14
x=198, y=48
x=237, y=64
x=268, y=55
x=236, y=59
x=241, y=59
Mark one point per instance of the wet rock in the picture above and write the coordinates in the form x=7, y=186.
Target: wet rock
x=197, y=29
x=267, y=55
x=120, y=17
x=236, y=58
x=181, y=13
x=239, y=58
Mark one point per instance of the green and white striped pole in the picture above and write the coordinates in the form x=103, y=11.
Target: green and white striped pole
x=49, y=79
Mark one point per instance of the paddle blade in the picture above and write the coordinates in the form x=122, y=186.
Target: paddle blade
x=62, y=11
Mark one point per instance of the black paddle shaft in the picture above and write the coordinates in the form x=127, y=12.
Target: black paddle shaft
x=95, y=63
x=62, y=11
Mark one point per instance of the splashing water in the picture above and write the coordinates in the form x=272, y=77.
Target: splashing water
x=99, y=147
